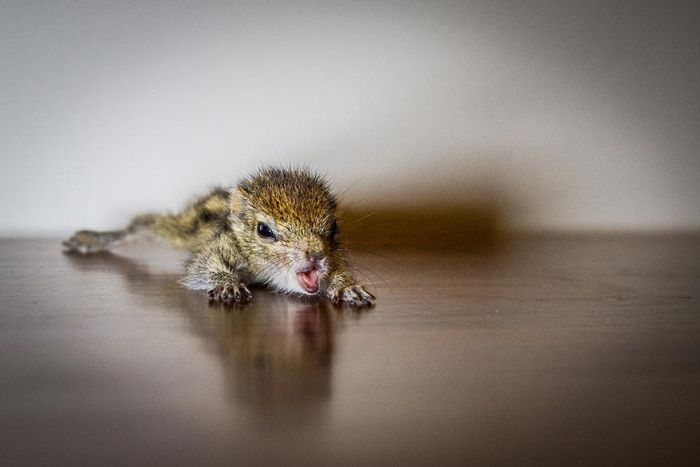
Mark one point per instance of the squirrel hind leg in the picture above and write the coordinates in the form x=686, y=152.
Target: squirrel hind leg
x=88, y=241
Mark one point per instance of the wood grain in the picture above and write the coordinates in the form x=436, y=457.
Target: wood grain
x=543, y=351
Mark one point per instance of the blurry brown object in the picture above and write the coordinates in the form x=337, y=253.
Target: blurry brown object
x=471, y=226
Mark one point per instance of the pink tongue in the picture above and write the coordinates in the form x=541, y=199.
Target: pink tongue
x=309, y=280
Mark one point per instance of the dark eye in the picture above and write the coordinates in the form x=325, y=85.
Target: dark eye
x=265, y=232
x=334, y=229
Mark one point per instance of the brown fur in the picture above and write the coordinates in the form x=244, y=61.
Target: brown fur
x=227, y=251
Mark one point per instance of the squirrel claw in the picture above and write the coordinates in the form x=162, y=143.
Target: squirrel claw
x=229, y=294
x=354, y=295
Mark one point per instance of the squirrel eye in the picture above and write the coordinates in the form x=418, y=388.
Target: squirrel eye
x=334, y=229
x=266, y=232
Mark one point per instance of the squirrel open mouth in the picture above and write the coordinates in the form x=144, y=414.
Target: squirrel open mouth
x=308, y=280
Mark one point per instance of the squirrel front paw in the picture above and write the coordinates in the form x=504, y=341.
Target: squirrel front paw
x=230, y=293
x=353, y=295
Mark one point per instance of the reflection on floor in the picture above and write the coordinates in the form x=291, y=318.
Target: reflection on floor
x=546, y=350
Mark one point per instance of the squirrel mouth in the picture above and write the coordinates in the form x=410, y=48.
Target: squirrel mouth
x=308, y=280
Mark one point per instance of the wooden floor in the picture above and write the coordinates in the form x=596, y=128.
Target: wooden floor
x=544, y=351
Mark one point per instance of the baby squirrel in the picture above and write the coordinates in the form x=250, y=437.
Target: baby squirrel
x=276, y=228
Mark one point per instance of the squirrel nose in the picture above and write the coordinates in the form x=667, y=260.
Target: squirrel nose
x=313, y=256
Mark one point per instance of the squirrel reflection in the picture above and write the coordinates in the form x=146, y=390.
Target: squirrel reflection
x=277, y=351
x=279, y=355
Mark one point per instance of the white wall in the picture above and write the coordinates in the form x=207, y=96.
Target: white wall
x=577, y=114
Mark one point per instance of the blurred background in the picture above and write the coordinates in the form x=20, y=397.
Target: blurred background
x=538, y=115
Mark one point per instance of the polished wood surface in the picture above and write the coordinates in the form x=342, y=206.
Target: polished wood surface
x=540, y=351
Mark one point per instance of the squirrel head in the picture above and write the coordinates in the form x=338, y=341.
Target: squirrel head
x=285, y=224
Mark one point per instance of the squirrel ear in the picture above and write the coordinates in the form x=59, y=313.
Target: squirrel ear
x=237, y=203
